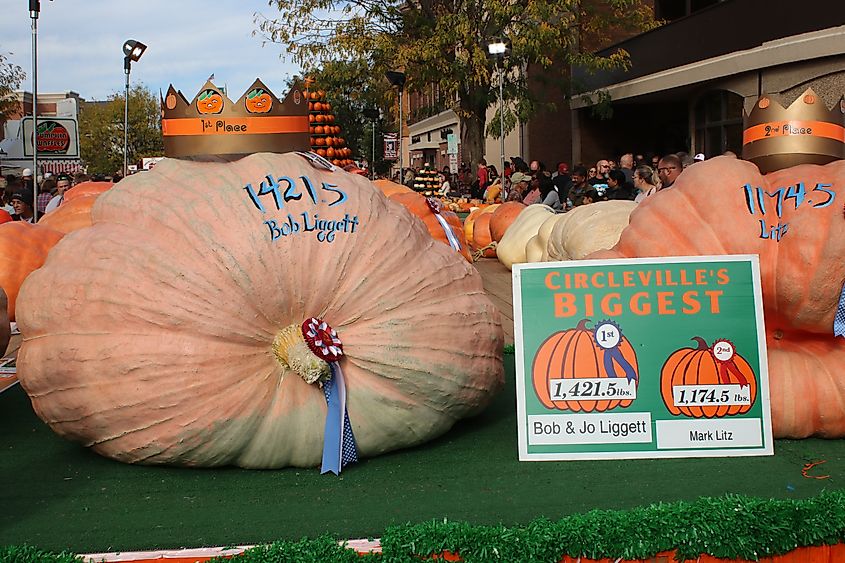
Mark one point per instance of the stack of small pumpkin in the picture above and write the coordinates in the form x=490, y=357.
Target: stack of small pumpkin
x=325, y=139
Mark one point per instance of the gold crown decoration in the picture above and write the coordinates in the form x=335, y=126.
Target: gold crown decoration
x=324, y=133
x=806, y=132
x=212, y=124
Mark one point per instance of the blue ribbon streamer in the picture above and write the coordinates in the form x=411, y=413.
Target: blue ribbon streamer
x=611, y=354
x=339, y=448
x=839, y=319
x=450, y=236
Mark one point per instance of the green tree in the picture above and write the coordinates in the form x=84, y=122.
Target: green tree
x=11, y=76
x=444, y=42
x=101, y=130
x=354, y=101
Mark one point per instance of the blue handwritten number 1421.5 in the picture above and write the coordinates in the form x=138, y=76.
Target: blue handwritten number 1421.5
x=273, y=186
x=755, y=198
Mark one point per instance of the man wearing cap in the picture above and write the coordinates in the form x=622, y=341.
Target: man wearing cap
x=62, y=185
x=519, y=185
x=698, y=158
x=22, y=202
x=26, y=178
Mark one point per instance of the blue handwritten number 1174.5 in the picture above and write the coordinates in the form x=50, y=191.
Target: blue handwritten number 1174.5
x=755, y=198
x=274, y=186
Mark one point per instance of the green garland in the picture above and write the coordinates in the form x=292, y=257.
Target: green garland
x=731, y=526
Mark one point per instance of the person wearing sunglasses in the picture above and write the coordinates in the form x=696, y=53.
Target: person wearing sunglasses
x=668, y=169
x=602, y=170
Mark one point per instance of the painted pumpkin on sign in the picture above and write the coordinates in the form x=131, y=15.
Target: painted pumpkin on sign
x=576, y=354
x=176, y=313
x=258, y=101
x=793, y=219
x=209, y=102
x=705, y=365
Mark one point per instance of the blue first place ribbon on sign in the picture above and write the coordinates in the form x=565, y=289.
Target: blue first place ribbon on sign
x=608, y=336
x=839, y=318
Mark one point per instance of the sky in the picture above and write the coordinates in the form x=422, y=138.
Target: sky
x=80, y=45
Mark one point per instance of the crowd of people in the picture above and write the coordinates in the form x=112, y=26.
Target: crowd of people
x=17, y=194
x=631, y=177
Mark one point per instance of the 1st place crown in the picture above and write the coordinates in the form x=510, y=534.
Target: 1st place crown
x=212, y=124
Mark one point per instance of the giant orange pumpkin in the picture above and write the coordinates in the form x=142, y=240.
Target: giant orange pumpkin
x=23, y=249
x=85, y=189
x=482, y=238
x=419, y=206
x=503, y=217
x=702, y=366
x=160, y=334
x=574, y=354
x=5, y=328
x=389, y=188
x=715, y=208
x=71, y=215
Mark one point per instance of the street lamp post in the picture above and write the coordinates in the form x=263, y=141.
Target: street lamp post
x=499, y=49
x=373, y=114
x=398, y=79
x=132, y=51
x=34, y=10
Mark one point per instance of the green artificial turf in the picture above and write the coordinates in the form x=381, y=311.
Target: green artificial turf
x=57, y=495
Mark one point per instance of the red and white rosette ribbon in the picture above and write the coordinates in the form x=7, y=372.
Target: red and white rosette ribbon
x=339, y=446
x=724, y=352
x=436, y=208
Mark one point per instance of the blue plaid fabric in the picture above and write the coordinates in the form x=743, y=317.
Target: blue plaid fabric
x=349, y=450
x=839, y=319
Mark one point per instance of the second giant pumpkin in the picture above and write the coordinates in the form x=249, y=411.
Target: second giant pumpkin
x=793, y=220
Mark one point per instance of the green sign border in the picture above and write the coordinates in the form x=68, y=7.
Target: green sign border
x=565, y=452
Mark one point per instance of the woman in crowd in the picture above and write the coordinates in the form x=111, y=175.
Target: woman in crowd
x=645, y=182
x=548, y=193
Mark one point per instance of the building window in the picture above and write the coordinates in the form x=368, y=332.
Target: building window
x=718, y=123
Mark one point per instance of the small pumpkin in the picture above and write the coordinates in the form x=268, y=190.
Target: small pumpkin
x=574, y=354
x=802, y=269
x=23, y=249
x=209, y=102
x=258, y=101
x=704, y=366
x=199, y=374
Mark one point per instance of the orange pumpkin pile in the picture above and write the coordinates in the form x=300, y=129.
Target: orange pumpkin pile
x=325, y=139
